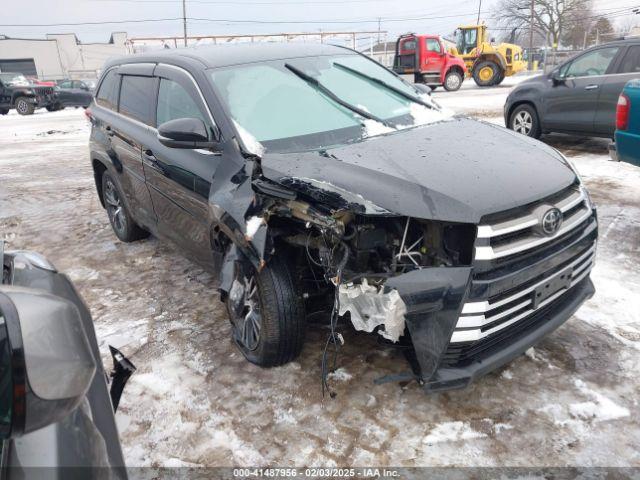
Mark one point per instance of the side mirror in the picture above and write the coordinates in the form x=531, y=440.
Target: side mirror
x=185, y=133
x=557, y=79
x=46, y=364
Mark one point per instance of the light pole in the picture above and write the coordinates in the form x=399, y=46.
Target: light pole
x=479, y=8
x=184, y=20
x=530, y=56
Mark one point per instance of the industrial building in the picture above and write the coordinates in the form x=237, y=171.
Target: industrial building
x=59, y=55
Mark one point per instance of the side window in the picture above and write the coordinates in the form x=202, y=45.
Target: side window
x=66, y=84
x=175, y=102
x=631, y=60
x=592, y=63
x=433, y=45
x=136, y=98
x=108, y=94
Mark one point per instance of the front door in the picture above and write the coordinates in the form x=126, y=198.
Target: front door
x=570, y=105
x=180, y=179
x=128, y=131
x=433, y=58
x=628, y=69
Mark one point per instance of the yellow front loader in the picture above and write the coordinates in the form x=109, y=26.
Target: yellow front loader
x=487, y=63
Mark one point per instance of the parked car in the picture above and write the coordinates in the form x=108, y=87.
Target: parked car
x=74, y=93
x=627, y=137
x=17, y=92
x=311, y=179
x=43, y=83
x=579, y=97
x=426, y=58
x=57, y=411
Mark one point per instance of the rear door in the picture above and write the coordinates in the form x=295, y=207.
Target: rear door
x=129, y=131
x=628, y=68
x=180, y=179
x=571, y=105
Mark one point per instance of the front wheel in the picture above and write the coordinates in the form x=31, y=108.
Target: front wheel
x=24, y=107
x=524, y=120
x=452, y=81
x=267, y=314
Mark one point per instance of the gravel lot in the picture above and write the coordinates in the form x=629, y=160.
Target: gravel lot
x=573, y=400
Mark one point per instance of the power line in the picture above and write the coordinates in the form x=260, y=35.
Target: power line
x=103, y=22
x=622, y=11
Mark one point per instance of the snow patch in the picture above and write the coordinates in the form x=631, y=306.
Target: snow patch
x=451, y=432
x=341, y=375
x=250, y=142
x=599, y=409
x=373, y=128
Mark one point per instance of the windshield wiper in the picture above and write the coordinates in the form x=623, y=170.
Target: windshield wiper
x=312, y=81
x=384, y=84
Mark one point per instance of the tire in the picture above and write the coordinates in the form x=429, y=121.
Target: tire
x=524, y=120
x=24, y=107
x=452, y=81
x=485, y=73
x=4, y=111
x=499, y=78
x=121, y=221
x=267, y=314
x=433, y=87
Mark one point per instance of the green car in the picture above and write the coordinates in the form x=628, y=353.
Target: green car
x=627, y=136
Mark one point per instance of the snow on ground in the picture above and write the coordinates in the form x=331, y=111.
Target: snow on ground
x=573, y=400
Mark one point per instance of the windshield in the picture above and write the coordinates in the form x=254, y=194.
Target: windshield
x=466, y=40
x=310, y=103
x=14, y=79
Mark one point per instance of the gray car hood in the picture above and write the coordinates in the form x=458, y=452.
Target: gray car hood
x=457, y=170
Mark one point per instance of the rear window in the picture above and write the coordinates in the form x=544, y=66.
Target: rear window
x=631, y=61
x=137, y=98
x=108, y=94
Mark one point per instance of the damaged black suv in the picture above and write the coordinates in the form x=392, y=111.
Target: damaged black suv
x=310, y=178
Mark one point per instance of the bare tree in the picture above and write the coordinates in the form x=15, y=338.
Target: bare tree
x=576, y=33
x=550, y=17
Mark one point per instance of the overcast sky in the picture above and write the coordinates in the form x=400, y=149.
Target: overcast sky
x=237, y=16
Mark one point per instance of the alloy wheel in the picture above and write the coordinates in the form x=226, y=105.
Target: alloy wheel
x=522, y=122
x=22, y=107
x=248, y=321
x=115, y=208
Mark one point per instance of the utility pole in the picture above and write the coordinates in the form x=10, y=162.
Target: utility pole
x=184, y=20
x=379, y=19
x=479, y=8
x=530, y=56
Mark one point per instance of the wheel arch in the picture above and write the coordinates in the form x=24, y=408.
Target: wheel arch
x=99, y=168
x=491, y=57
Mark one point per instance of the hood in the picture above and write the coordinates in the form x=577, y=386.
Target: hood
x=456, y=171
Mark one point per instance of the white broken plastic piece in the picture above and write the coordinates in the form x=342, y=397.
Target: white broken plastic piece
x=370, y=307
x=253, y=224
x=250, y=142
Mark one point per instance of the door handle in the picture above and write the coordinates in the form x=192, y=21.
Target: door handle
x=110, y=131
x=149, y=154
x=591, y=87
x=152, y=161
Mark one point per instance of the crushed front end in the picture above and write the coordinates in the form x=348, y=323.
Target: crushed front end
x=466, y=298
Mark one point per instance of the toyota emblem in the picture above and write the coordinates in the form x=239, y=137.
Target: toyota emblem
x=551, y=221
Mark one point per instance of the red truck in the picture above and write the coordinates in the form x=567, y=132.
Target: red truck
x=426, y=58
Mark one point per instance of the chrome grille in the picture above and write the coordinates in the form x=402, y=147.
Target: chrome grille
x=484, y=318
x=519, y=234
